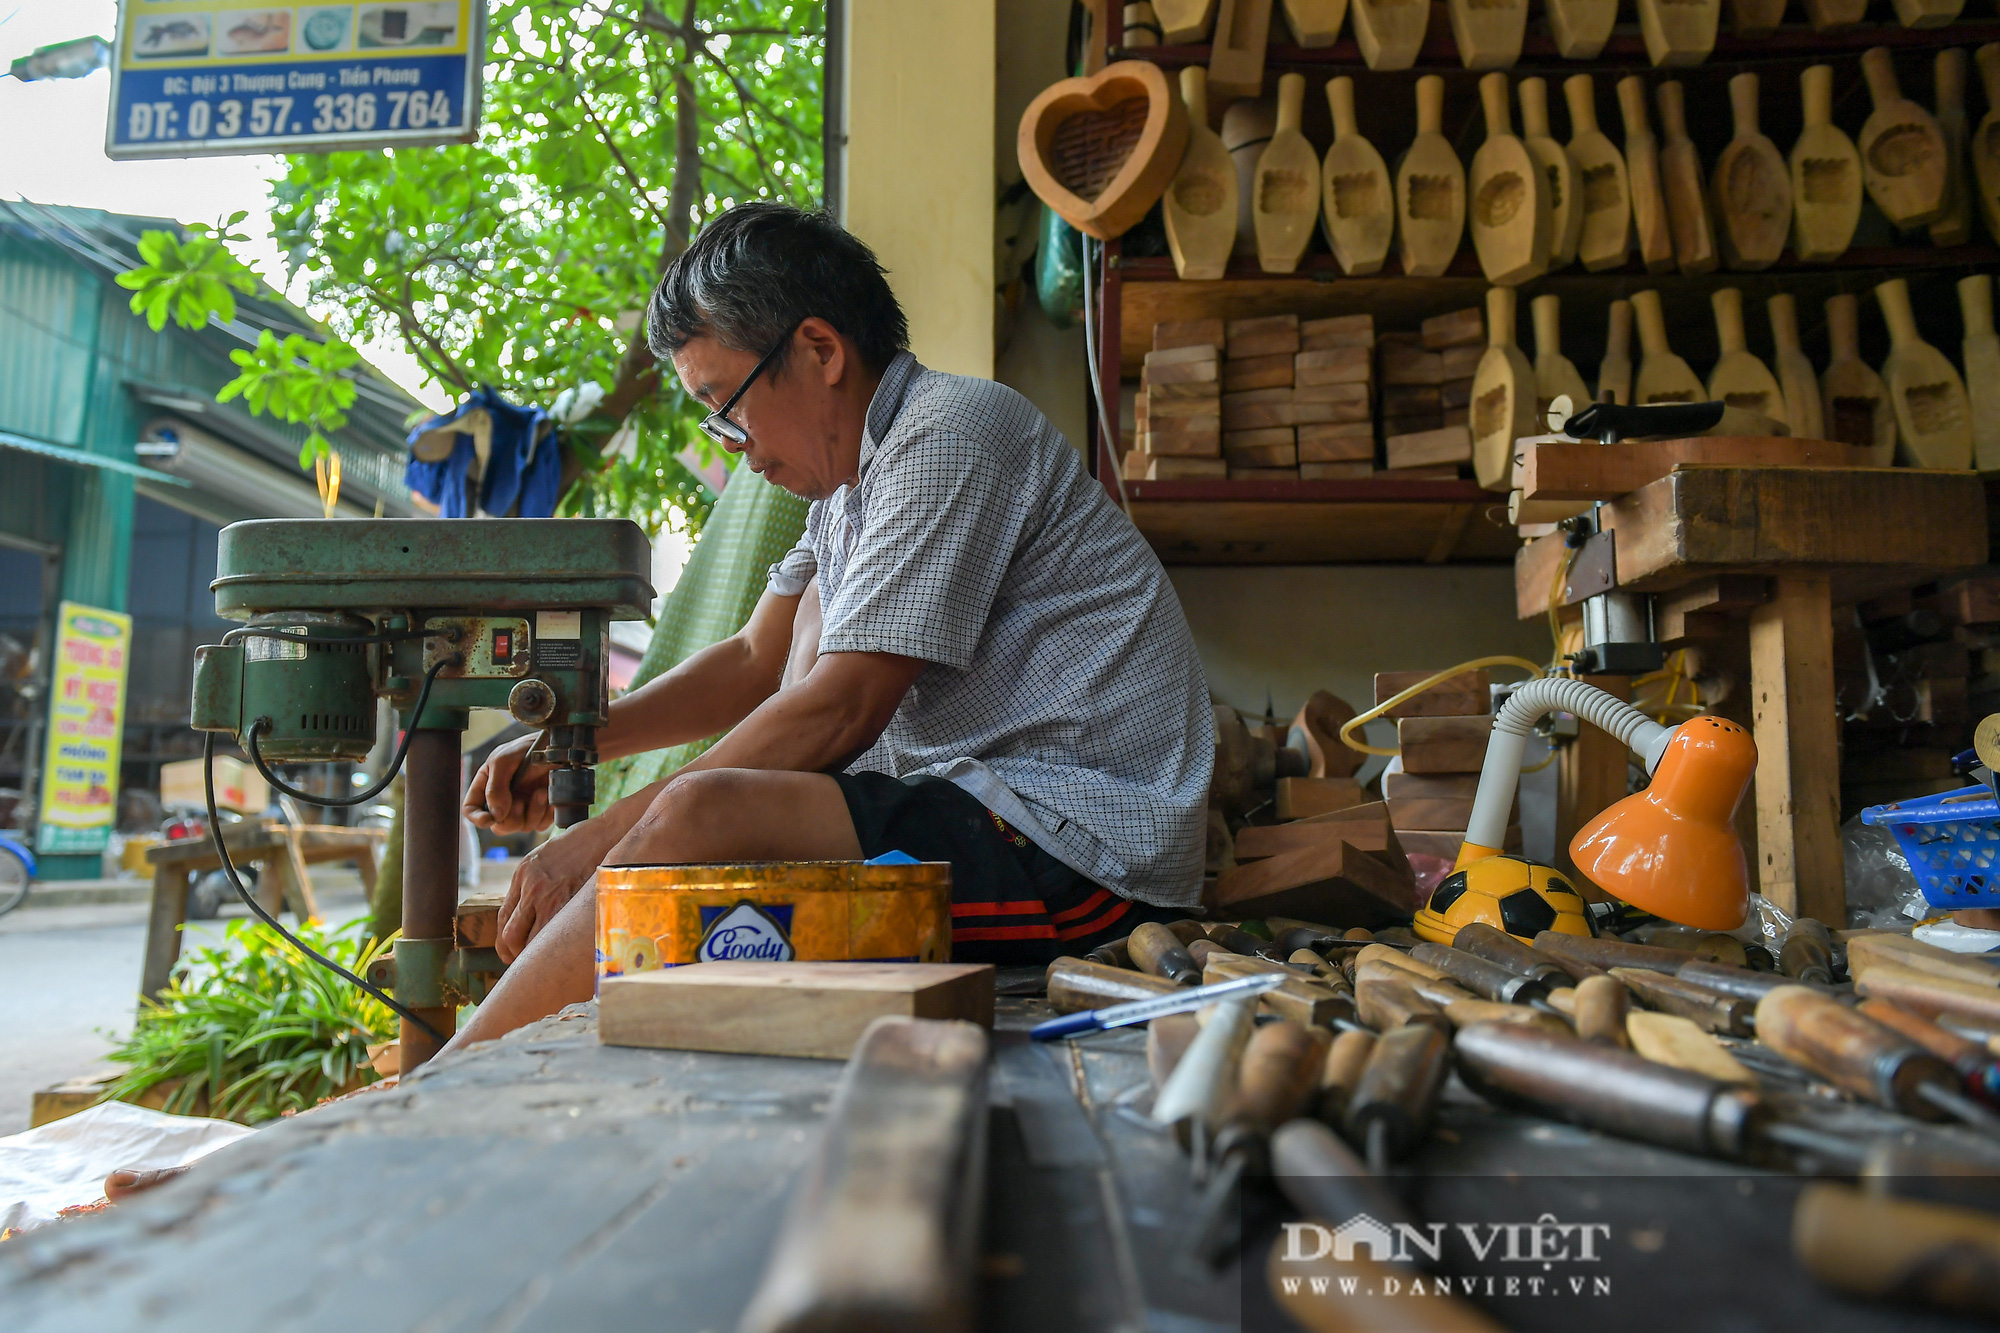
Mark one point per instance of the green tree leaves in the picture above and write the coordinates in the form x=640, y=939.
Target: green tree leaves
x=189, y=278
x=298, y=381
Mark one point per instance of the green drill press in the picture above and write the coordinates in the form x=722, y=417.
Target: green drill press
x=438, y=617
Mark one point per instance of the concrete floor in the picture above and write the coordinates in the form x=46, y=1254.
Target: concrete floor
x=69, y=978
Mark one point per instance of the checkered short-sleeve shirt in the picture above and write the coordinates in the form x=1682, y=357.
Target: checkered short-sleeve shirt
x=1063, y=689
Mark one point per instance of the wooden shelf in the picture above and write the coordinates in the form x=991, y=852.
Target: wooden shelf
x=1324, y=268
x=1381, y=520
x=1626, y=49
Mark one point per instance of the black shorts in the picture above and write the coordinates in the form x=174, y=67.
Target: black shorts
x=1011, y=902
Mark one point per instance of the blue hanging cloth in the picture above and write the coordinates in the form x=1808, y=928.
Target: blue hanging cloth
x=522, y=473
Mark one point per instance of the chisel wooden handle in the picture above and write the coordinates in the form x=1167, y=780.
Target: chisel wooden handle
x=1111, y=953
x=1382, y=953
x=1929, y=994
x=1485, y=979
x=1201, y=1084
x=1865, y=951
x=1345, y=1059
x=1321, y=968
x=1851, y=1051
x=1322, y=1178
x=1075, y=985
x=1204, y=950
x=1602, y=955
x=1975, y=1067
x=1299, y=998
x=1388, y=1005
x=1293, y=938
x=1187, y=930
x=1155, y=950
x=1892, y=1249
x=1497, y=946
x=1601, y=1005
x=1740, y=982
x=1608, y=1089
x=1439, y=991
x=1279, y=1073
x=1463, y=1013
x=1806, y=953
x=1399, y=1087
x=1715, y=1013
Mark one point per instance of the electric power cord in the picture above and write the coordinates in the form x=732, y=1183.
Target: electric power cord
x=388, y=775
x=250, y=901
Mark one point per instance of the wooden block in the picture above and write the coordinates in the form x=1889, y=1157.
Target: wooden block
x=1147, y=411
x=1410, y=400
x=1335, y=365
x=1186, y=469
x=1397, y=364
x=1259, y=416
x=1261, y=437
x=1974, y=601
x=1430, y=813
x=1455, y=395
x=1332, y=414
x=1257, y=372
x=1187, y=333
x=1465, y=695
x=1444, y=473
x=1183, y=355
x=1669, y=1039
x=817, y=1010
x=1335, y=471
x=1269, y=335
x=1338, y=394
x=1412, y=425
x=1302, y=798
x=477, y=922
x=1209, y=390
x=1460, y=328
x=1462, y=363
x=903, y=1156
x=1263, y=473
x=1448, y=444
x=1565, y=470
x=1184, y=372
x=1318, y=335
x=1330, y=882
x=1443, y=744
x=1318, y=444
x=1457, y=416
x=1260, y=455
x=1429, y=786
x=1444, y=843
x=1182, y=444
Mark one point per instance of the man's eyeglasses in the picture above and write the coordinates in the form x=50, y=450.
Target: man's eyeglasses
x=717, y=425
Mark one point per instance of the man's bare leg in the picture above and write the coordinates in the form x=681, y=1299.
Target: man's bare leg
x=721, y=814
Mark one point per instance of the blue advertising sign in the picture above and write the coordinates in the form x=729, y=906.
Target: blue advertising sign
x=209, y=77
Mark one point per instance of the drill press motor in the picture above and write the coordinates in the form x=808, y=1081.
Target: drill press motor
x=439, y=618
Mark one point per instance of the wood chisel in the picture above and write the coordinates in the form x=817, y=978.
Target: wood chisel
x=1345, y=1060
x=1488, y=980
x=1322, y=1178
x=1978, y=1071
x=1156, y=950
x=1201, y=1082
x=1806, y=953
x=1497, y=946
x=1715, y=1013
x=1602, y=1003
x=1864, y=1057
x=1074, y=984
x=1390, y=1109
x=1278, y=1074
x=1895, y=1249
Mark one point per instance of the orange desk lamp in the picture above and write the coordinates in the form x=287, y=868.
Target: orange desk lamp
x=1669, y=850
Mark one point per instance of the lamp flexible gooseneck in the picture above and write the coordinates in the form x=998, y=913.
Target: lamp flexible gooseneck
x=1500, y=776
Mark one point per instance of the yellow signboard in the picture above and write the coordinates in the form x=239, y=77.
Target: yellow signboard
x=249, y=76
x=79, y=800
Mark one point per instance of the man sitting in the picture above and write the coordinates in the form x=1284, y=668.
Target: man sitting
x=1004, y=678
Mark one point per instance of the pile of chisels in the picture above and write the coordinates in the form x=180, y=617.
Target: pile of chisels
x=1331, y=1078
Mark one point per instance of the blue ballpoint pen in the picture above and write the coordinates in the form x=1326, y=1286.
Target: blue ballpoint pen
x=1139, y=1011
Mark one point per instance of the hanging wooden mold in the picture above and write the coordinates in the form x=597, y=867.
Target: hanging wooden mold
x=1752, y=188
x=1794, y=370
x=1200, y=204
x=1986, y=141
x=1679, y=32
x=1902, y=150
x=1955, y=226
x=1580, y=27
x=1663, y=377
x=1358, y=202
x=1854, y=403
x=1099, y=151
x=1488, y=33
x=1286, y=200
x=1430, y=189
x=1933, y=418
x=1680, y=178
x=1826, y=175
x=1602, y=183
x=1315, y=22
x=1739, y=378
x=1510, y=214
x=1982, y=369
x=1558, y=170
x=1390, y=32
x=1642, y=175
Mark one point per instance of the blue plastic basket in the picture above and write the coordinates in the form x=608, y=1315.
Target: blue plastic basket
x=1952, y=842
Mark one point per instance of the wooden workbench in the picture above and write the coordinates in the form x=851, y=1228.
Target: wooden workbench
x=545, y=1182
x=1778, y=547
x=284, y=850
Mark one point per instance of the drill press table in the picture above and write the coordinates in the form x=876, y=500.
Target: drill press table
x=546, y=1182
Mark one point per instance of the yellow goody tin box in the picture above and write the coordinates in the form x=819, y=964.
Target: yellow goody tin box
x=813, y=911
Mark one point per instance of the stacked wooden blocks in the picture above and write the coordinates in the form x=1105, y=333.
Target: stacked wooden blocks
x=1346, y=866
x=1427, y=393
x=1442, y=733
x=1297, y=398
x=1178, y=413
x=1259, y=429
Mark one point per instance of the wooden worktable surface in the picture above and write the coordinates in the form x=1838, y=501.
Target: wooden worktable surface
x=546, y=1182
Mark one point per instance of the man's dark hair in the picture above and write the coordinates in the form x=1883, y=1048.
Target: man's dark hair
x=758, y=270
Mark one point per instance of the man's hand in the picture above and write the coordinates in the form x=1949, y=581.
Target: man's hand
x=549, y=877
x=508, y=794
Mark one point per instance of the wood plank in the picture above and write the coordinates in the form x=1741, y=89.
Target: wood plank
x=1306, y=532
x=1331, y=882
x=1429, y=786
x=477, y=923
x=1797, y=730
x=904, y=1156
x=1448, y=534
x=1871, y=528
x=1443, y=744
x=1429, y=813
x=1302, y=798
x=163, y=926
x=1591, y=775
x=1364, y=827
x=1464, y=695
x=1582, y=470
x=817, y=1010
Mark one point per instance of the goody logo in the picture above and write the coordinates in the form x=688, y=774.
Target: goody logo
x=746, y=931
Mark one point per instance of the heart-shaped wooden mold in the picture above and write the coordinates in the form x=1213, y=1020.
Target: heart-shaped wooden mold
x=1100, y=150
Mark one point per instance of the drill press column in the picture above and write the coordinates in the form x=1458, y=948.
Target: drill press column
x=430, y=875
